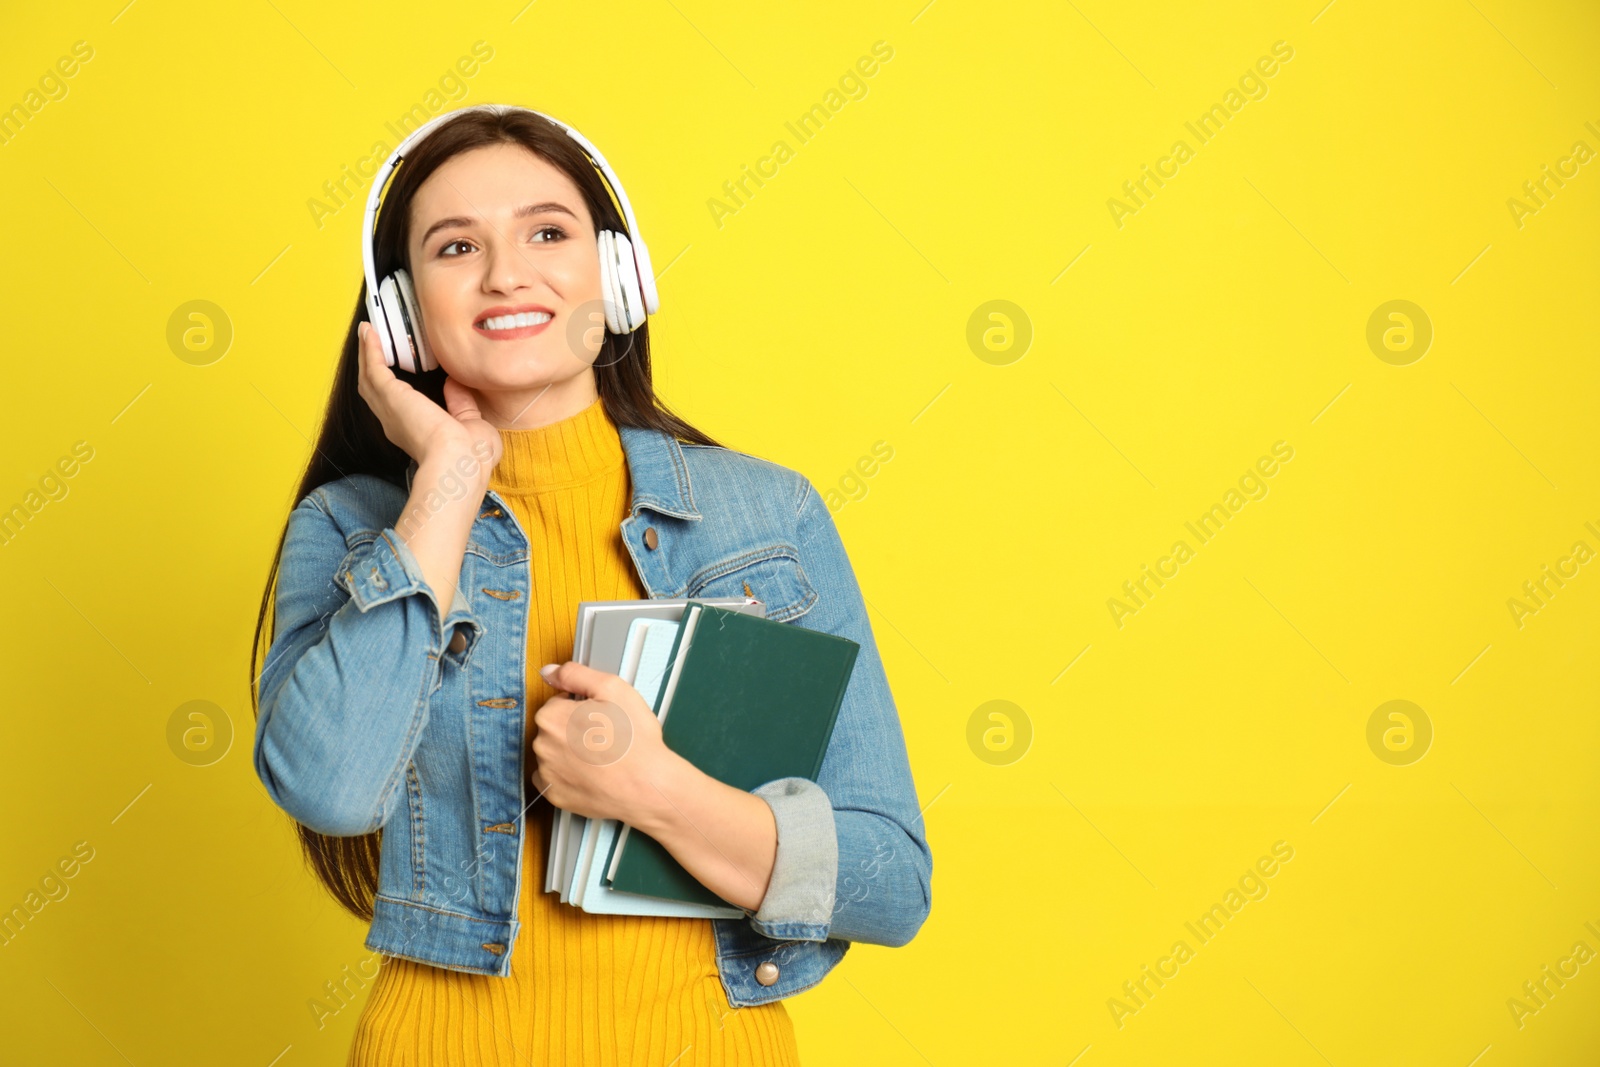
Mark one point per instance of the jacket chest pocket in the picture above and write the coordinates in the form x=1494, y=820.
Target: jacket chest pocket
x=772, y=575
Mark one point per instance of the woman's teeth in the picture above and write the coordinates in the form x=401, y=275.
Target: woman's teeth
x=513, y=322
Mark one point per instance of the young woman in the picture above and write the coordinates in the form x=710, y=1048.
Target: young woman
x=447, y=526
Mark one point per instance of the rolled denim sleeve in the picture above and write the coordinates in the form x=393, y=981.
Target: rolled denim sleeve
x=853, y=860
x=799, y=896
x=357, y=640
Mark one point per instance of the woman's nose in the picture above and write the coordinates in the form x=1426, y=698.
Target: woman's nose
x=510, y=268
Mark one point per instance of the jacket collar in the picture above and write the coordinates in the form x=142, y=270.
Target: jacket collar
x=656, y=466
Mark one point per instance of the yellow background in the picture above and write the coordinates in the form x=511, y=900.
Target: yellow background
x=828, y=314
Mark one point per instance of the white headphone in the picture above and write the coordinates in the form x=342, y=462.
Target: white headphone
x=627, y=284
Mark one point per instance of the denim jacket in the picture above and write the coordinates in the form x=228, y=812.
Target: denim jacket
x=376, y=712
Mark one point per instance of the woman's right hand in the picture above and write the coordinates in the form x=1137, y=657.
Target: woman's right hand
x=415, y=423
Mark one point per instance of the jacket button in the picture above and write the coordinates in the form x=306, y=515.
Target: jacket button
x=650, y=538
x=458, y=643
x=767, y=973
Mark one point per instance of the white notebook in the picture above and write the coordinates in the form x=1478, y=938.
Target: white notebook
x=644, y=666
x=600, y=640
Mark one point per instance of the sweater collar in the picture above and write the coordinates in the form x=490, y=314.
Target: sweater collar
x=558, y=455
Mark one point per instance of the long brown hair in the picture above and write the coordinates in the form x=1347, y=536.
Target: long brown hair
x=351, y=438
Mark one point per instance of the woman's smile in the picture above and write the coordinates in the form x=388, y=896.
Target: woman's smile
x=509, y=324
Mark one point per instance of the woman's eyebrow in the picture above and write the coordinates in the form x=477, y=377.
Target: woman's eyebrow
x=522, y=212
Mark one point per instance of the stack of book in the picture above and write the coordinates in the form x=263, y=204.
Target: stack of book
x=744, y=699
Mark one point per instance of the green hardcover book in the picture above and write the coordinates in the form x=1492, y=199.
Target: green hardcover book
x=746, y=700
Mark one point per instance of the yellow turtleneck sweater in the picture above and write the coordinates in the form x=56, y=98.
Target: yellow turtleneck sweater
x=613, y=990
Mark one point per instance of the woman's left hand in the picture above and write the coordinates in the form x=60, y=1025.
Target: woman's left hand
x=598, y=751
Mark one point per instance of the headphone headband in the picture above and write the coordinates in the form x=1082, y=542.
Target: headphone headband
x=641, y=256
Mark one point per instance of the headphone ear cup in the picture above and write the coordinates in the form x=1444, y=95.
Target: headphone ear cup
x=610, y=300
x=397, y=347
x=412, y=312
x=627, y=282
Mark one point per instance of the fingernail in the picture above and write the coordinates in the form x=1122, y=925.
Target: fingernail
x=547, y=670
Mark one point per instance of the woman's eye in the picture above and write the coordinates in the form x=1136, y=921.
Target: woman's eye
x=559, y=234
